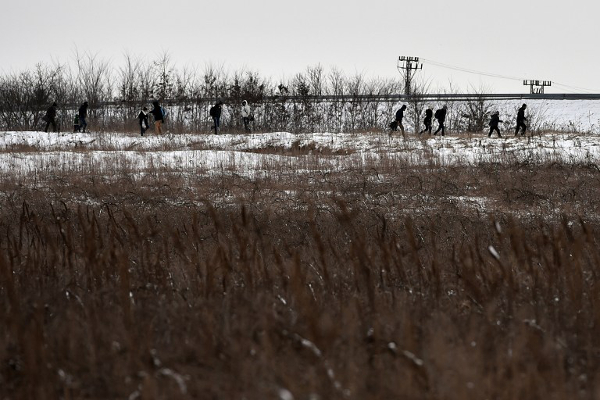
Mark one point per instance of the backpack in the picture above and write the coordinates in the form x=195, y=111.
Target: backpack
x=438, y=114
x=213, y=111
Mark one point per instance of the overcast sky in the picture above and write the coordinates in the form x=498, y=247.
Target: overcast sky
x=523, y=39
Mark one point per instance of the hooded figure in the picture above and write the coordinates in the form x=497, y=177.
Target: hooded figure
x=494, y=121
x=50, y=117
x=83, y=116
x=246, y=115
x=427, y=121
x=399, y=117
x=157, y=113
x=143, y=119
x=521, y=120
x=215, y=113
x=440, y=115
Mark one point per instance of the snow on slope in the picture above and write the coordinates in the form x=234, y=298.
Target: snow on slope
x=24, y=153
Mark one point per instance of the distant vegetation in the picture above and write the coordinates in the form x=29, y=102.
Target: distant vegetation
x=117, y=92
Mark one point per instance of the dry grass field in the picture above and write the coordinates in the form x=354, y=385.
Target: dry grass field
x=382, y=279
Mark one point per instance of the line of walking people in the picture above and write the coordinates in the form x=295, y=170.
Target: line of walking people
x=440, y=116
x=158, y=114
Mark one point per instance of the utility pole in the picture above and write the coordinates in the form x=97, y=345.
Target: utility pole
x=537, y=87
x=407, y=67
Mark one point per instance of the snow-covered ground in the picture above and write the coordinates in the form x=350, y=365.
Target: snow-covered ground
x=24, y=153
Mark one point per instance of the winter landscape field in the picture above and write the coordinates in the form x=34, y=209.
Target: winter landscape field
x=306, y=251
x=299, y=266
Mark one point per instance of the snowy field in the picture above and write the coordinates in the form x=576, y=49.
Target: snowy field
x=23, y=153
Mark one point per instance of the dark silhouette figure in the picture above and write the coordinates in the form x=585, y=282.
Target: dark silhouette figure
x=215, y=113
x=143, y=119
x=521, y=120
x=399, y=117
x=440, y=115
x=50, y=117
x=83, y=116
x=494, y=121
x=159, y=116
x=427, y=121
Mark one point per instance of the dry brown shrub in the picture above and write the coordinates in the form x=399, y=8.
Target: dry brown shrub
x=377, y=281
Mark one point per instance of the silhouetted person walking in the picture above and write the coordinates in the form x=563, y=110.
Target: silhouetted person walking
x=83, y=116
x=143, y=118
x=215, y=113
x=399, y=117
x=158, y=114
x=494, y=121
x=50, y=117
x=440, y=115
x=427, y=121
x=521, y=120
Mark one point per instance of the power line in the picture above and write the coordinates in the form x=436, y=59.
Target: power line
x=574, y=88
x=472, y=71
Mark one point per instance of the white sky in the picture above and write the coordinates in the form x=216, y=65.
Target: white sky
x=525, y=39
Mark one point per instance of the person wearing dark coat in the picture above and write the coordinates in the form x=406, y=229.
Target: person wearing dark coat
x=143, y=119
x=427, y=121
x=50, y=117
x=158, y=114
x=399, y=117
x=521, y=120
x=494, y=121
x=215, y=113
x=83, y=116
x=440, y=115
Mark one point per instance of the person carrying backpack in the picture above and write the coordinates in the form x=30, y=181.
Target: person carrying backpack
x=521, y=120
x=495, y=120
x=83, y=116
x=399, y=117
x=427, y=121
x=440, y=115
x=158, y=114
x=215, y=113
